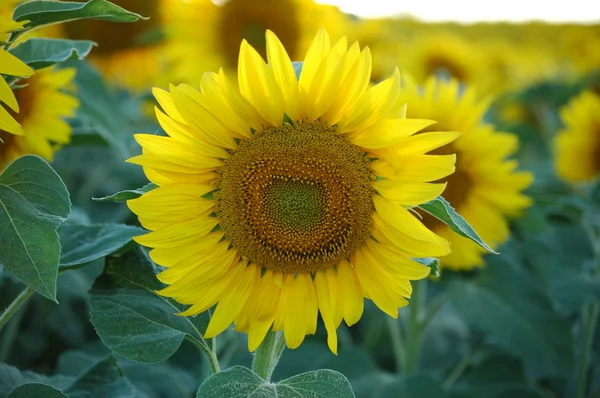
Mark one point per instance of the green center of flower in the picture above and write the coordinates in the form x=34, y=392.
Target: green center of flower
x=113, y=38
x=297, y=198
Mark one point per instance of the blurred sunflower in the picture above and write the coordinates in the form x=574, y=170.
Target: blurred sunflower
x=577, y=145
x=486, y=188
x=280, y=197
x=444, y=55
x=128, y=54
x=10, y=66
x=203, y=36
x=43, y=106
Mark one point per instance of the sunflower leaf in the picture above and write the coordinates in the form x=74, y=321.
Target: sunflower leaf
x=103, y=379
x=131, y=319
x=82, y=244
x=432, y=263
x=443, y=211
x=43, y=13
x=124, y=196
x=34, y=202
x=40, y=53
x=32, y=390
x=239, y=381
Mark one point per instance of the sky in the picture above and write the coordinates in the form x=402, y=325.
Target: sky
x=582, y=11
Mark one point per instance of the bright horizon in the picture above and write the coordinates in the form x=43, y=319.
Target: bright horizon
x=468, y=11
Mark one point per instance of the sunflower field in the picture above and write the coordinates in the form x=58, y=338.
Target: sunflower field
x=272, y=198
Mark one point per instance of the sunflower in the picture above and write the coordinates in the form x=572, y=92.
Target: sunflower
x=280, y=197
x=203, y=36
x=577, y=145
x=485, y=188
x=128, y=54
x=10, y=66
x=43, y=108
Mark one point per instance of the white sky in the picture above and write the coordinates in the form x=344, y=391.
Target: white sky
x=587, y=11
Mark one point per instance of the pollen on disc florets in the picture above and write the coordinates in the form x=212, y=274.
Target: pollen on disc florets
x=296, y=198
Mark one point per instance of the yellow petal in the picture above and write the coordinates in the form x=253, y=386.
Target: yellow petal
x=166, y=103
x=325, y=299
x=351, y=299
x=425, y=142
x=7, y=96
x=420, y=168
x=176, y=234
x=409, y=194
x=8, y=124
x=316, y=52
x=172, y=151
x=284, y=74
x=389, y=132
x=13, y=66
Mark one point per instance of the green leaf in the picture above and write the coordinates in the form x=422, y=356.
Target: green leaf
x=103, y=380
x=33, y=203
x=82, y=244
x=441, y=209
x=36, y=390
x=432, y=263
x=239, y=381
x=11, y=378
x=124, y=196
x=40, y=53
x=417, y=386
x=131, y=319
x=504, y=302
x=43, y=13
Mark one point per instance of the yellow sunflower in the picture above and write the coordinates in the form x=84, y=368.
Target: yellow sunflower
x=203, y=36
x=577, y=145
x=280, y=197
x=43, y=108
x=10, y=66
x=486, y=188
x=128, y=54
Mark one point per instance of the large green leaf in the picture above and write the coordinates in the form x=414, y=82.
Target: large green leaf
x=40, y=53
x=124, y=196
x=131, y=319
x=504, y=302
x=11, y=378
x=103, y=380
x=82, y=244
x=242, y=382
x=36, y=390
x=441, y=209
x=417, y=386
x=33, y=203
x=41, y=13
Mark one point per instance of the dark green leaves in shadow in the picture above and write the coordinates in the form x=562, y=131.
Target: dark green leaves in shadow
x=36, y=390
x=34, y=202
x=131, y=319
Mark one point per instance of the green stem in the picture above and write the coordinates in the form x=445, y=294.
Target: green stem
x=433, y=308
x=210, y=355
x=413, y=330
x=15, y=305
x=457, y=371
x=589, y=320
x=397, y=343
x=267, y=355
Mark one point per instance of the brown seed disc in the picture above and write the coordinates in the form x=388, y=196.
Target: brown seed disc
x=297, y=198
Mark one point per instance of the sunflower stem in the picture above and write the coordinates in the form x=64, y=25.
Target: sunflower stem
x=267, y=355
x=397, y=343
x=413, y=329
x=15, y=305
x=211, y=356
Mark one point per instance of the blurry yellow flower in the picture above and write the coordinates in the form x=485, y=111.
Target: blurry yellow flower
x=128, y=54
x=280, y=197
x=10, y=66
x=43, y=108
x=486, y=188
x=203, y=36
x=577, y=145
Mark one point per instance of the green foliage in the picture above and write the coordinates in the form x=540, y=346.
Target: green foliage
x=82, y=244
x=36, y=390
x=132, y=320
x=41, y=13
x=124, y=196
x=242, y=382
x=41, y=53
x=34, y=203
x=441, y=209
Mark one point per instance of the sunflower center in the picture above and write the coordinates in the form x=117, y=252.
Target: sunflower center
x=113, y=38
x=248, y=19
x=445, y=68
x=296, y=198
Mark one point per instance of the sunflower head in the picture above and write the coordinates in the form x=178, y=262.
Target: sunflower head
x=283, y=196
x=577, y=144
x=486, y=188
